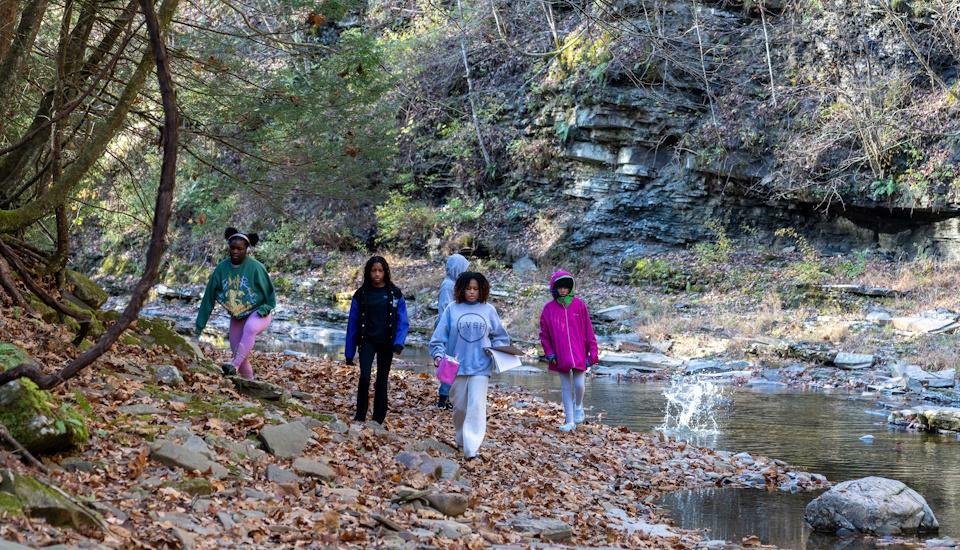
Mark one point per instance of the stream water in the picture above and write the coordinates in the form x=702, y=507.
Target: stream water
x=818, y=431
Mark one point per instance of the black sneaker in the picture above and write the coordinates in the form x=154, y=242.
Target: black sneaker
x=443, y=402
x=228, y=369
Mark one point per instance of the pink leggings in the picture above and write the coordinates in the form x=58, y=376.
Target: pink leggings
x=242, y=334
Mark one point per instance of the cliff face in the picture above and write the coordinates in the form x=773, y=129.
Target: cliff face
x=852, y=144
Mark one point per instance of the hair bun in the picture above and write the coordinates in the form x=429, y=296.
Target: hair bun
x=253, y=239
x=229, y=232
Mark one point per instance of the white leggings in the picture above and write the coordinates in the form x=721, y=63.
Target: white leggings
x=469, y=397
x=572, y=393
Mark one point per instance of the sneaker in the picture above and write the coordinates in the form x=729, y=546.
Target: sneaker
x=228, y=369
x=578, y=415
x=568, y=427
x=443, y=401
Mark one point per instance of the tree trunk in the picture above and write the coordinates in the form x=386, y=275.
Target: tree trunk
x=161, y=217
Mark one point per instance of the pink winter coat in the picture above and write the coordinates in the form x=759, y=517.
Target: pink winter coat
x=566, y=332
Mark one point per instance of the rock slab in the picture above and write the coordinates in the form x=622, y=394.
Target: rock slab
x=872, y=505
x=37, y=499
x=286, y=440
x=179, y=456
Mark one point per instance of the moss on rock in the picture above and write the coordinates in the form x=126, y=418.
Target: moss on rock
x=158, y=332
x=38, y=499
x=86, y=290
x=32, y=415
x=10, y=505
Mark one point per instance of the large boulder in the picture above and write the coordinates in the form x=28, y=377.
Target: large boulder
x=872, y=505
x=86, y=290
x=930, y=418
x=32, y=415
x=37, y=499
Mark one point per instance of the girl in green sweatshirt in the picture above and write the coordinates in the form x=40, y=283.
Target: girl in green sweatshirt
x=243, y=286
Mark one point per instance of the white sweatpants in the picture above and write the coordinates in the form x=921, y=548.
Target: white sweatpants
x=469, y=396
x=572, y=393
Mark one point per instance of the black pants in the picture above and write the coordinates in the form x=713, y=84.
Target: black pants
x=384, y=353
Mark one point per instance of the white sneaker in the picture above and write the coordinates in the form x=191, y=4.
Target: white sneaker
x=578, y=415
x=568, y=427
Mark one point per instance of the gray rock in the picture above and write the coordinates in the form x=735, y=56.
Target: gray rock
x=552, y=530
x=931, y=418
x=279, y=474
x=524, y=265
x=257, y=388
x=226, y=520
x=640, y=361
x=238, y=450
x=168, y=375
x=286, y=440
x=450, y=504
x=76, y=464
x=344, y=494
x=873, y=505
x=314, y=468
x=441, y=468
x=253, y=494
x=853, y=361
x=945, y=542
x=446, y=528
x=179, y=456
x=431, y=444
x=141, y=408
x=614, y=314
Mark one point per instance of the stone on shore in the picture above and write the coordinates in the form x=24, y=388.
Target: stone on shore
x=286, y=440
x=179, y=456
x=551, y=530
x=168, y=375
x=314, y=468
x=853, y=361
x=930, y=418
x=450, y=504
x=257, y=389
x=646, y=361
x=872, y=505
x=614, y=314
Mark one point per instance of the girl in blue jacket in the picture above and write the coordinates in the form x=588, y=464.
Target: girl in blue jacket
x=378, y=327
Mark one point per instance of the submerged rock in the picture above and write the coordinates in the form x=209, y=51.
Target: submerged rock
x=873, y=505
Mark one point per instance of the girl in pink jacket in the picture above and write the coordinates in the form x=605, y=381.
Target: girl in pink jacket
x=566, y=335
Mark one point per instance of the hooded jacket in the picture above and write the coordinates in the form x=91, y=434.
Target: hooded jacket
x=566, y=331
x=456, y=265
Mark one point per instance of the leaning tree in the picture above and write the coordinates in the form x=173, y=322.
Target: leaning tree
x=70, y=73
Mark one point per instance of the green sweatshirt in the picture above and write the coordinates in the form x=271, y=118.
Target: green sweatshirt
x=242, y=289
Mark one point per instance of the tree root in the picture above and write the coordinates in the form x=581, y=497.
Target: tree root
x=14, y=445
x=6, y=282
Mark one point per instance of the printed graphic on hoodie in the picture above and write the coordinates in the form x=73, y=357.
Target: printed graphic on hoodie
x=472, y=327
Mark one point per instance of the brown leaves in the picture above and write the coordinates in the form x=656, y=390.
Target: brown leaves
x=316, y=20
x=138, y=464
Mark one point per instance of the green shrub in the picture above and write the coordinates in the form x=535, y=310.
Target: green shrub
x=659, y=272
x=713, y=254
x=809, y=269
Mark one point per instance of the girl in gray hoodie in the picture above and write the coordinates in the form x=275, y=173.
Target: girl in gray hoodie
x=456, y=264
x=465, y=329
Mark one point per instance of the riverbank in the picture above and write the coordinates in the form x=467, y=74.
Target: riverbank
x=761, y=317
x=363, y=485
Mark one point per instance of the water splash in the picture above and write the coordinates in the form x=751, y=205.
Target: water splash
x=692, y=407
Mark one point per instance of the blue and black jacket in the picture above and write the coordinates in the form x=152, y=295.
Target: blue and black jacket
x=397, y=322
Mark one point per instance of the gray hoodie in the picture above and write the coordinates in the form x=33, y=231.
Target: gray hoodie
x=456, y=264
x=464, y=331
